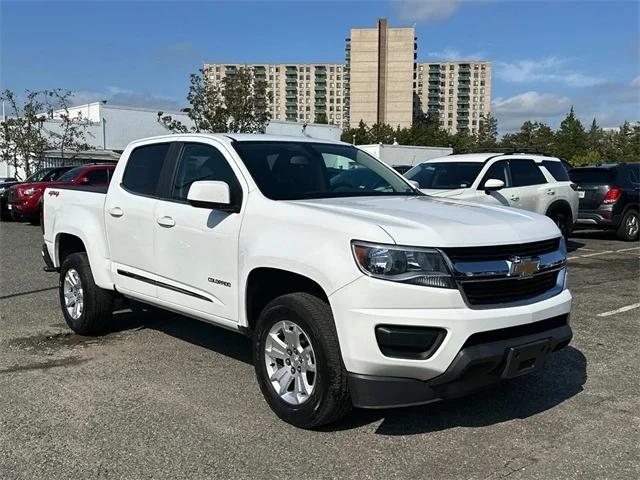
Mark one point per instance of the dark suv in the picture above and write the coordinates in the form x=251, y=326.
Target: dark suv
x=608, y=197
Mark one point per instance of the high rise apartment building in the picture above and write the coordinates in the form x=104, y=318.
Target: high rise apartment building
x=456, y=93
x=299, y=92
x=380, y=82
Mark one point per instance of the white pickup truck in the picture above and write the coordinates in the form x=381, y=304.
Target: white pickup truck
x=357, y=289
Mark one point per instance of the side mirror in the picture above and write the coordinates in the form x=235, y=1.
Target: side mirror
x=493, y=185
x=212, y=195
x=414, y=184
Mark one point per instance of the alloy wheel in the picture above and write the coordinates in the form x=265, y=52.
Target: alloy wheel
x=632, y=225
x=290, y=362
x=73, y=294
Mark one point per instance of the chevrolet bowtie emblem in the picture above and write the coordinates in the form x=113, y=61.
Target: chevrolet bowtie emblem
x=523, y=266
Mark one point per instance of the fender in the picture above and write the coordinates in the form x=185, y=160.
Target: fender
x=93, y=237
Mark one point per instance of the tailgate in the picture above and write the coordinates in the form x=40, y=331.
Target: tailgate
x=591, y=196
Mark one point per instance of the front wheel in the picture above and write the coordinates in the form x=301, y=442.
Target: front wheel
x=298, y=363
x=562, y=221
x=87, y=308
x=629, y=227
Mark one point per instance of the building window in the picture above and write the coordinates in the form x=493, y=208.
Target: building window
x=450, y=67
x=450, y=115
x=451, y=75
x=474, y=122
x=451, y=91
x=475, y=83
x=450, y=107
x=483, y=67
x=451, y=84
x=481, y=99
x=450, y=99
x=450, y=122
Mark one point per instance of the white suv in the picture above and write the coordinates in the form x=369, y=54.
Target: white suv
x=531, y=182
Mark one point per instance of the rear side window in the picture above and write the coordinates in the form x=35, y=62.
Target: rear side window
x=203, y=162
x=633, y=174
x=496, y=171
x=143, y=169
x=557, y=170
x=70, y=175
x=525, y=173
x=97, y=177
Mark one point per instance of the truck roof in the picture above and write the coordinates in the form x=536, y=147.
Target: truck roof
x=241, y=137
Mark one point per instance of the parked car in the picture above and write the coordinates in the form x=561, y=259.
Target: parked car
x=609, y=198
x=530, y=182
x=42, y=175
x=402, y=169
x=25, y=199
x=373, y=297
x=5, y=183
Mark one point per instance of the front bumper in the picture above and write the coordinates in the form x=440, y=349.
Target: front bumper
x=366, y=303
x=475, y=367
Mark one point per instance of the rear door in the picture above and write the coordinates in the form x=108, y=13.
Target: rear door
x=593, y=185
x=130, y=219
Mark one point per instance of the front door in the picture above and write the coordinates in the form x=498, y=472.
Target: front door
x=196, y=248
x=528, y=185
x=499, y=170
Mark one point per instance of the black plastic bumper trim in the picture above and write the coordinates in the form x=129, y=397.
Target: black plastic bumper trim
x=48, y=263
x=157, y=283
x=474, y=368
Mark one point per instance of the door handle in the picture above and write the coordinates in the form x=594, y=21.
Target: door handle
x=551, y=192
x=167, y=222
x=514, y=198
x=116, y=212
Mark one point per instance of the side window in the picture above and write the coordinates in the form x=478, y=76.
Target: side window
x=525, y=173
x=557, y=170
x=498, y=171
x=203, y=162
x=143, y=168
x=633, y=175
x=97, y=177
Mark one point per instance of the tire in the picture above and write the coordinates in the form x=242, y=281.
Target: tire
x=93, y=317
x=329, y=398
x=629, y=227
x=562, y=220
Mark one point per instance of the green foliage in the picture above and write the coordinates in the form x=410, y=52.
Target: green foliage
x=239, y=104
x=23, y=135
x=321, y=118
x=570, y=141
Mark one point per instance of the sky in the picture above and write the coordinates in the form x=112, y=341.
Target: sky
x=547, y=55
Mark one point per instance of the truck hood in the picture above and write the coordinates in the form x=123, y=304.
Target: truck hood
x=439, y=222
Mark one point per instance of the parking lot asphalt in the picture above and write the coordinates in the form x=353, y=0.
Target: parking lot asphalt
x=165, y=396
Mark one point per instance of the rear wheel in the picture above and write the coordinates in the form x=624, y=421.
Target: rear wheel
x=629, y=227
x=87, y=308
x=298, y=362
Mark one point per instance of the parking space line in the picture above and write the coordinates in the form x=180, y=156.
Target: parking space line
x=590, y=254
x=619, y=310
x=627, y=249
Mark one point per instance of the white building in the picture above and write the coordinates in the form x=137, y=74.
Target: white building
x=109, y=127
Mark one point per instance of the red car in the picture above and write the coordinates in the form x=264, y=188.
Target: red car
x=25, y=199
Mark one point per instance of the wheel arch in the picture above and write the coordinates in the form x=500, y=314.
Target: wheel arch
x=561, y=205
x=266, y=283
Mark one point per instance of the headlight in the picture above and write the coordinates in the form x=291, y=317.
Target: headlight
x=30, y=191
x=416, y=266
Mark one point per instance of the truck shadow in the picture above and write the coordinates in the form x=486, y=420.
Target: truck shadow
x=564, y=376
x=203, y=334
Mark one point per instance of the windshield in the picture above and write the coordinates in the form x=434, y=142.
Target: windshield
x=70, y=175
x=301, y=170
x=445, y=175
x=46, y=174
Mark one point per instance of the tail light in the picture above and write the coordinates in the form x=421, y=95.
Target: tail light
x=573, y=186
x=612, y=195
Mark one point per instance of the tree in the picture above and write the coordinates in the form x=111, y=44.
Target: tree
x=381, y=133
x=487, y=136
x=463, y=142
x=594, y=137
x=359, y=136
x=321, y=118
x=73, y=129
x=537, y=136
x=570, y=139
x=23, y=139
x=589, y=158
x=239, y=104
